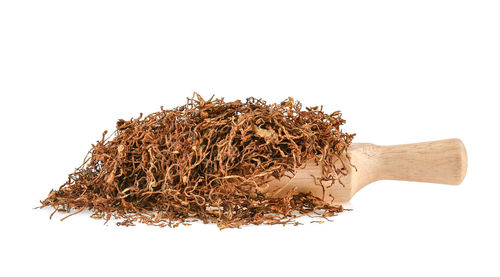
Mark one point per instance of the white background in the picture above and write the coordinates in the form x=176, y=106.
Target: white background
x=400, y=71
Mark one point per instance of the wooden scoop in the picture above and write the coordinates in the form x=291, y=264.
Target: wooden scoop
x=443, y=162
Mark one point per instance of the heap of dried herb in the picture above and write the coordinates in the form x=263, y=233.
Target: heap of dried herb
x=207, y=161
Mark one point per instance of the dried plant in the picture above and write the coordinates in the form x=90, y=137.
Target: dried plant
x=208, y=161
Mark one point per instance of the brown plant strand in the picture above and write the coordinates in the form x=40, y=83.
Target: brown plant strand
x=206, y=161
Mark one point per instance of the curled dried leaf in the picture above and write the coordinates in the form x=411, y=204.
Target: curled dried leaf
x=268, y=135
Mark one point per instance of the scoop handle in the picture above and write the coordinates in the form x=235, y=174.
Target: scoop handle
x=443, y=162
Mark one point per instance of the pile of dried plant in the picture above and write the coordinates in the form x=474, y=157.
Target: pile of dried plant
x=206, y=160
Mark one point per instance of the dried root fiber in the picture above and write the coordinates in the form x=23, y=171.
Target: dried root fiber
x=209, y=161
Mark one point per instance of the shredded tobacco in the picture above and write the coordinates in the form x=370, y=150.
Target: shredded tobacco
x=209, y=161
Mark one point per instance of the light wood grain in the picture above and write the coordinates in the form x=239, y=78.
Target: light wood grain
x=443, y=162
